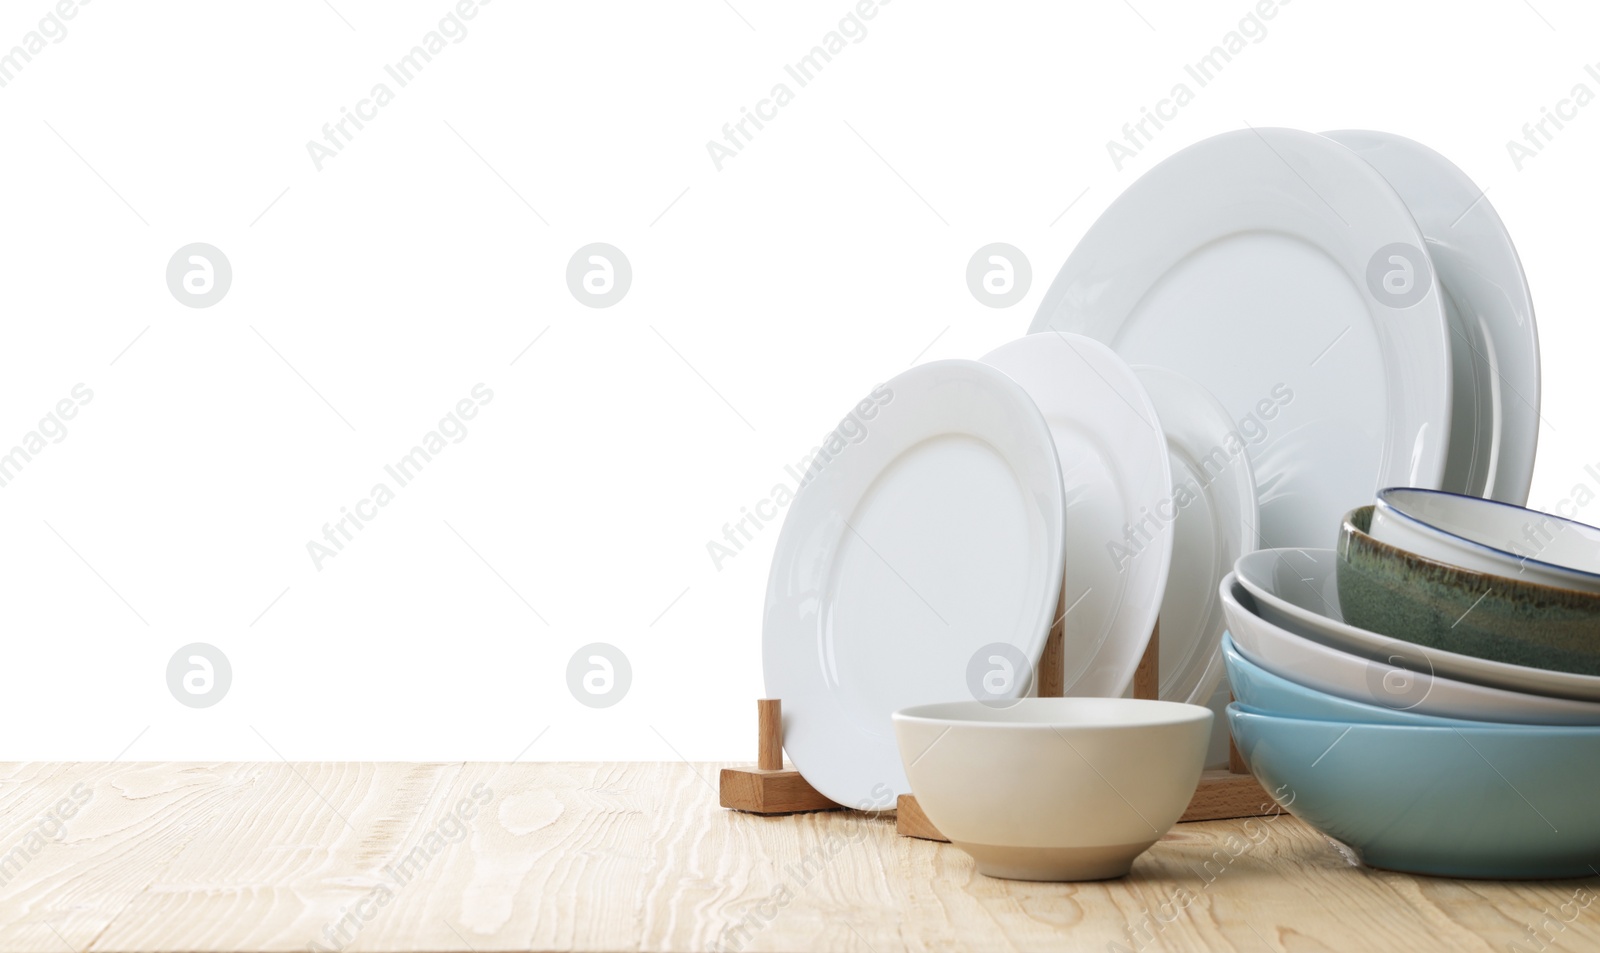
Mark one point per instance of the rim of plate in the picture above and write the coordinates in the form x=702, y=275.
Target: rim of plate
x=1193, y=401
x=1414, y=446
x=1100, y=675
x=1444, y=190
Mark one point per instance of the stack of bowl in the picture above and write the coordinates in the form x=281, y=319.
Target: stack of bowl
x=1428, y=693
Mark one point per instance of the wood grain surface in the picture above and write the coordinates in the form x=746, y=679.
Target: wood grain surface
x=489, y=857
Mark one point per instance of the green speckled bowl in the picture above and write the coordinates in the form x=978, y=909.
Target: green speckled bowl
x=1404, y=596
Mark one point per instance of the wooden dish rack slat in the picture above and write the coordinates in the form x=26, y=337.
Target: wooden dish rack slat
x=770, y=788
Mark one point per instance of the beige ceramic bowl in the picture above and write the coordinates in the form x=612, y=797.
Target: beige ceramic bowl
x=1054, y=788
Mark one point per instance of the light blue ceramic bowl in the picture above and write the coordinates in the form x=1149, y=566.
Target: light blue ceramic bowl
x=1255, y=687
x=1500, y=802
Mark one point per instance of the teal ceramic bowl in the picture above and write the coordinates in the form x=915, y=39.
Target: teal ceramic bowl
x=1255, y=687
x=1512, y=802
x=1402, y=595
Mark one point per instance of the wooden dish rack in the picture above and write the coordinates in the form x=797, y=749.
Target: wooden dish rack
x=770, y=788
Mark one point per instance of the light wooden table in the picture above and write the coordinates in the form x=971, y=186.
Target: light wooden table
x=480, y=857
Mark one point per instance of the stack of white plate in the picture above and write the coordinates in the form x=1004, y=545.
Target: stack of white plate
x=1261, y=332
x=1353, y=301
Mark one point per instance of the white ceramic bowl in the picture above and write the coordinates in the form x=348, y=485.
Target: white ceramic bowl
x=1489, y=536
x=1403, y=682
x=1054, y=788
x=1297, y=590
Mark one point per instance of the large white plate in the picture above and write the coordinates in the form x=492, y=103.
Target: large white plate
x=1243, y=263
x=1494, y=342
x=931, y=528
x=1298, y=589
x=1119, y=501
x=1374, y=682
x=1216, y=524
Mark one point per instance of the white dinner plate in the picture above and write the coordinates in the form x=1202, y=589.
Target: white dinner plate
x=1118, y=484
x=1215, y=498
x=929, y=528
x=1253, y=262
x=1298, y=589
x=1494, y=342
x=1326, y=669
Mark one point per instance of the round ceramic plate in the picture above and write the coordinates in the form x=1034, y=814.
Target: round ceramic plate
x=1118, y=484
x=1280, y=271
x=1298, y=590
x=1215, y=498
x=1493, y=339
x=929, y=528
x=1314, y=665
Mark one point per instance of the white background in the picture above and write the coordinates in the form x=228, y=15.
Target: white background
x=826, y=257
